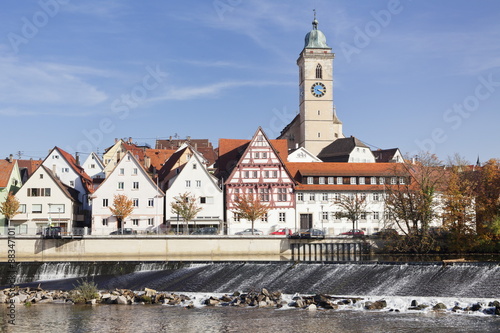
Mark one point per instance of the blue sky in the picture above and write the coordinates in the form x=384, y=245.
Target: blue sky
x=418, y=75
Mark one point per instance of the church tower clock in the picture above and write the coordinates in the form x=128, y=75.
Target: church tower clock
x=317, y=125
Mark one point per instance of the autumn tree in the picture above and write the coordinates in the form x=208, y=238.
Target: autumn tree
x=122, y=208
x=251, y=208
x=352, y=207
x=9, y=208
x=185, y=205
x=459, y=211
x=411, y=200
x=488, y=199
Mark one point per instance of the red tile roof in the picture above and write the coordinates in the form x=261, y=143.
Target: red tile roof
x=158, y=157
x=86, y=180
x=30, y=165
x=6, y=168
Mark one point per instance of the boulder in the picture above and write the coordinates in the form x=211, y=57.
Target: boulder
x=121, y=300
x=476, y=307
x=3, y=298
x=414, y=303
x=439, y=306
x=150, y=292
x=265, y=292
x=312, y=307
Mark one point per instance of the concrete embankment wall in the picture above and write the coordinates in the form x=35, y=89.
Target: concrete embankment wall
x=106, y=248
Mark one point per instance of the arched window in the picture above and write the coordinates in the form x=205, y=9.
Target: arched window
x=319, y=72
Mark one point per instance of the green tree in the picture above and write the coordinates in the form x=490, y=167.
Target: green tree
x=251, y=208
x=185, y=205
x=122, y=208
x=10, y=207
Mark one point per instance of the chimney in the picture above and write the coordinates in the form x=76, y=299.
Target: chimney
x=147, y=162
x=129, y=139
x=77, y=158
x=188, y=138
x=11, y=158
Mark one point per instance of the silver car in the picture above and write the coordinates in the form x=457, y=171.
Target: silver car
x=249, y=232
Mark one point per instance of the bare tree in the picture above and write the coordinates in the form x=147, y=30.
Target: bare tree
x=122, y=208
x=185, y=205
x=251, y=208
x=10, y=207
x=352, y=207
x=411, y=200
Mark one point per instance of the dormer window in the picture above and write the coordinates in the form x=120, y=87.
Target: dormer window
x=310, y=180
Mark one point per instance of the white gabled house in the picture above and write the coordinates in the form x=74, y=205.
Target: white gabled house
x=186, y=171
x=93, y=166
x=128, y=178
x=45, y=201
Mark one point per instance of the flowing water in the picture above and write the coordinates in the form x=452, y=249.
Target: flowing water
x=397, y=283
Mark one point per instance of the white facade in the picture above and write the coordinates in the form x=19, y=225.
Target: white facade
x=361, y=155
x=65, y=171
x=194, y=178
x=44, y=202
x=127, y=178
x=93, y=166
x=302, y=155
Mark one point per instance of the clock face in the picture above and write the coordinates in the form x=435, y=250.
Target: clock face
x=318, y=89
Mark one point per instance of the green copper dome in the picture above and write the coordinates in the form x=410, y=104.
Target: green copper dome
x=315, y=39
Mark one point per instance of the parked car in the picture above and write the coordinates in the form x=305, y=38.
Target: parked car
x=206, y=231
x=309, y=233
x=52, y=232
x=354, y=232
x=282, y=231
x=249, y=232
x=124, y=231
x=386, y=233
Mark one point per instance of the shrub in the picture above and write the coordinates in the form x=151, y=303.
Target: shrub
x=84, y=292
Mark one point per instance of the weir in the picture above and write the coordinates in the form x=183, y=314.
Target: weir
x=336, y=278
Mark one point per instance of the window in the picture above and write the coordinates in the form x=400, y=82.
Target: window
x=71, y=183
x=246, y=174
x=135, y=202
x=194, y=166
x=266, y=174
x=105, y=202
x=282, y=194
x=188, y=183
x=135, y=185
x=393, y=180
x=151, y=221
x=321, y=180
x=203, y=200
x=376, y=196
x=381, y=180
x=255, y=175
x=300, y=196
x=275, y=174
x=376, y=215
x=198, y=183
x=236, y=194
x=264, y=218
x=362, y=196
x=22, y=209
x=319, y=72
x=264, y=194
x=105, y=222
x=151, y=202
x=312, y=197
x=361, y=180
x=330, y=180
x=257, y=155
x=122, y=171
x=264, y=155
x=92, y=166
x=65, y=169
x=402, y=180
x=324, y=196
x=310, y=180
x=373, y=180
x=362, y=216
x=236, y=217
x=41, y=176
x=324, y=216
x=340, y=180
x=135, y=222
x=38, y=192
x=282, y=217
x=121, y=185
x=336, y=197
x=319, y=135
x=353, y=180
x=36, y=208
x=134, y=171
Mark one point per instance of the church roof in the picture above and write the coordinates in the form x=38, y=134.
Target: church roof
x=315, y=39
x=340, y=149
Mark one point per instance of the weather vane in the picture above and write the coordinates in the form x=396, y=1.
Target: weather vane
x=314, y=10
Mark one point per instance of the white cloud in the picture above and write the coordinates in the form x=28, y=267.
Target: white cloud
x=39, y=86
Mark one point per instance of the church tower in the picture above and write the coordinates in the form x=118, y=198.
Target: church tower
x=317, y=124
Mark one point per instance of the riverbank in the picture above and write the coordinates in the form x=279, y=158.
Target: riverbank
x=252, y=299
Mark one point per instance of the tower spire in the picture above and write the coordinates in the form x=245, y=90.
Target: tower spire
x=315, y=22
